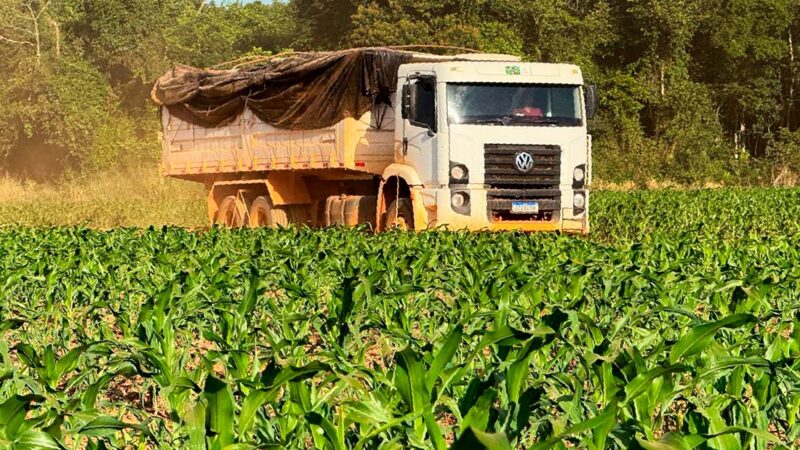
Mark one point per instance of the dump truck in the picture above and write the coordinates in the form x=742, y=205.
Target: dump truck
x=384, y=137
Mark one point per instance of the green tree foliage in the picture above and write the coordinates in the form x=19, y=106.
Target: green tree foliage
x=79, y=73
x=328, y=21
x=691, y=91
x=756, y=78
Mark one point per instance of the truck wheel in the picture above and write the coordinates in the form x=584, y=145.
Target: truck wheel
x=230, y=213
x=264, y=214
x=399, y=216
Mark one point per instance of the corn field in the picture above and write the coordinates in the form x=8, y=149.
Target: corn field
x=675, y=325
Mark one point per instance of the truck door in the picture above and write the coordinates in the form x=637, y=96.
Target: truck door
x=419, y=130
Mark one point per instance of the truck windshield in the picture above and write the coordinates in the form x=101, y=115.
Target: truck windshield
x=514, y=104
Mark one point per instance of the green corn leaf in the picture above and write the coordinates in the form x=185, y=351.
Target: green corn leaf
x=367, y=412
x=107, y=426
x=289, y=374
x=195, y=418
x=443, y=357
x=601, y=430
x=478, y=415
x=515, y=375
x=69, y=361
x=420, y=396
x=13, y=412
x=472, y=439
x=47, y=371
x=220, y=410
x=434, y=432
x=644, y=381
x=717, y=426
x=329, y=431
x=504, y=335
x=253, y=292
x=409, y=361
x=402, y=385
x=676, y=441
x=10, y=324
x=763, y=434
x=28, y=355
x=519, y=369
x=90, y=395
x=670, y=441
x=608, y=416
x=185, y=383
x=700, y=336
x=274, y=379
x=37, y=440
x=252, y=403
x=724, y=363
x=54, y=429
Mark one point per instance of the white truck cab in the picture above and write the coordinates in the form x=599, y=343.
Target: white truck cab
x=496, y=144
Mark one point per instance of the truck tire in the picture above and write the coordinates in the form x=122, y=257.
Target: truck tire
x=230, y=213
x=264, y=214
x=399, y=216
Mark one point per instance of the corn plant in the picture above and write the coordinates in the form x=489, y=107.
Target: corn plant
x=674, y=334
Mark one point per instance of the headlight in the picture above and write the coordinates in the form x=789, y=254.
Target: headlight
x=459, y=200
x=578, y=174
x=458, y=172
x=579, y=201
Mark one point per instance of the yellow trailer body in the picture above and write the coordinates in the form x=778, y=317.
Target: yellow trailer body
x=250, y=145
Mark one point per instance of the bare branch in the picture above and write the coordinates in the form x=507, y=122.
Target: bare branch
x=21, y=30
x=29, y=5
x=41, y=10
x=14, y=41
x=38, y=44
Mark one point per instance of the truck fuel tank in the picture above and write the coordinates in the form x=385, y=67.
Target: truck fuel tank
x=351, y=210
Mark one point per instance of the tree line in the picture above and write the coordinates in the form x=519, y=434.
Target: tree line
x=691, y=91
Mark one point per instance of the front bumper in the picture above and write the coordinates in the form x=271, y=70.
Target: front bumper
x=478, y=219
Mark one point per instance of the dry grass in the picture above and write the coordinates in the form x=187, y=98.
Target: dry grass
x=651, y=185
x=134, y=198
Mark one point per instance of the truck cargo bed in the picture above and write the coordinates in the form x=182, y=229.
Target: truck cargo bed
x=248, y=144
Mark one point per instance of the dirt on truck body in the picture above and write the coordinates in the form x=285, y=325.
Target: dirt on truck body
x=384, y=137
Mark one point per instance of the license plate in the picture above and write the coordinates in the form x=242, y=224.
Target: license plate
x=524, y=207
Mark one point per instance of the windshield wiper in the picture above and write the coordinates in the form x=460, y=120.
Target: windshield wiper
x=494, y=120
x=542, y=120
x=508, y=120
x=488, y=122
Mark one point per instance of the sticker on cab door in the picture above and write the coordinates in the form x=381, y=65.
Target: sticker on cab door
x=513, y=70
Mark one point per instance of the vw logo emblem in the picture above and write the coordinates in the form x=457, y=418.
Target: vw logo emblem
x=524, y=162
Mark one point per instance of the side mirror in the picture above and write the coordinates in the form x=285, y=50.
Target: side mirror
x=590, y=93
x=419, y=103
x=406, y=108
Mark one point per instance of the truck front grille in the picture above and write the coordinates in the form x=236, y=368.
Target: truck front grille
x=506, y=183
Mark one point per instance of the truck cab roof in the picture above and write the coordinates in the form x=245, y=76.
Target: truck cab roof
x=502, y=69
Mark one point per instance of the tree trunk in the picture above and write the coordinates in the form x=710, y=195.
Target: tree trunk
x=792, y=80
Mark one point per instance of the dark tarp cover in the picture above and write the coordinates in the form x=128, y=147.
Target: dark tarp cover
x=301, y=91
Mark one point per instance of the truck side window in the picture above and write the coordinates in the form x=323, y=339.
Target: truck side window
x=423, y=103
